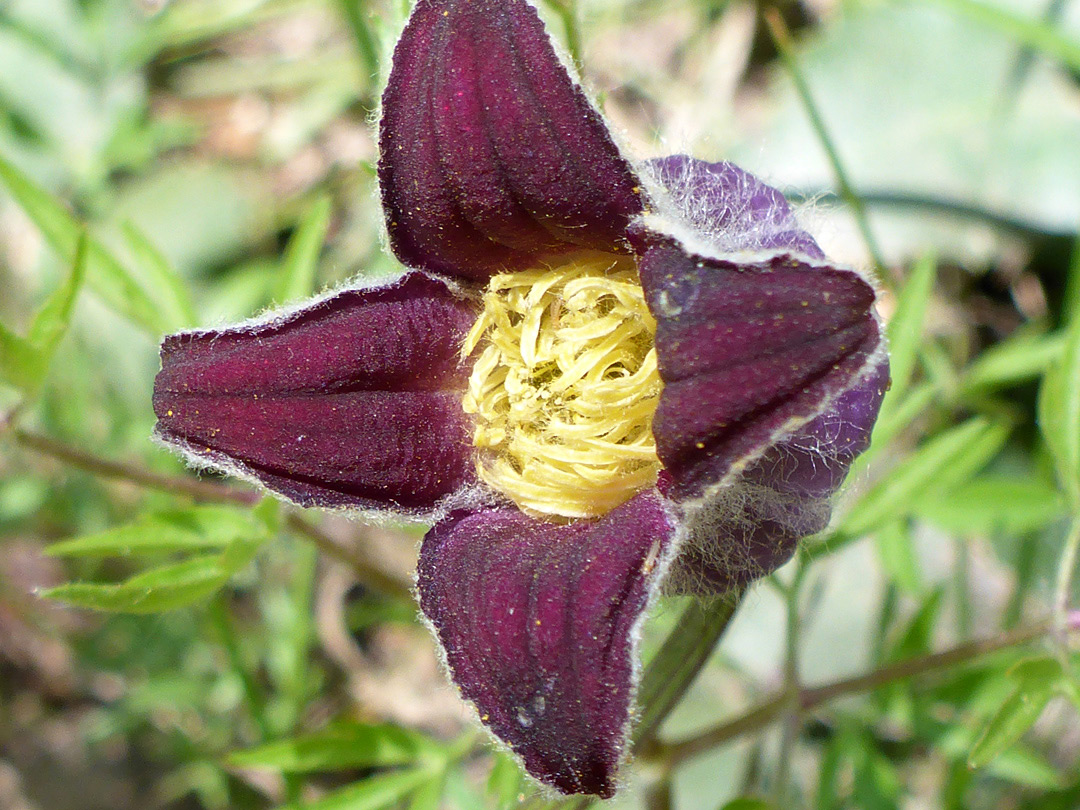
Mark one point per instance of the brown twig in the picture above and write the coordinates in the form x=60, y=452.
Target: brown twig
x=812, y=698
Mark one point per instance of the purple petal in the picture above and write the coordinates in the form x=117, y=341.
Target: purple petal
x=490, y=155
x=753, y=527
x=730, y=207
x=352, y=401
x=748, y=350
x=537, y=620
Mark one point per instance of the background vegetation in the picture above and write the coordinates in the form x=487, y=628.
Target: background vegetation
x=174, y=642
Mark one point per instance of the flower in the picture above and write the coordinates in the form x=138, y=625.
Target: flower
x=593, y=379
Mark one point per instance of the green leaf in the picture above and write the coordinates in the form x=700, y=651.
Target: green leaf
x=105, y=273
x=302, y=255
x=20, y=363
x=171, y=290
x=1038, y=34
x=373, y=793
x=164, y=588
x=25, y=361
x=945, y=460
x=1059, y=413
x=991, y=504
x=896, y=551
x=194, y=529
x=1018, y=359
x=747, y=804
x=351, y=745
x=906, y=326
x=429, y=795
x=504, y=783
x=1010, y=722
x=52, y=320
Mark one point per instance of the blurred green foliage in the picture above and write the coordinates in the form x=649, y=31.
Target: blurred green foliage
x=162, y=169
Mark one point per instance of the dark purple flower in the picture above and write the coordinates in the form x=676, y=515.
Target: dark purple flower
x=594, y=378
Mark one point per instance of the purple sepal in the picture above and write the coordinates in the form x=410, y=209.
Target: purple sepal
x=537, y=621
x=730, y=207
x=753, y=527
x=354, y=400
x=747, y=350
x=490, y=156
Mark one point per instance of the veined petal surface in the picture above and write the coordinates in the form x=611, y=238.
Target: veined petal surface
x=537, y=622
x=354, y=400
x=491, y=157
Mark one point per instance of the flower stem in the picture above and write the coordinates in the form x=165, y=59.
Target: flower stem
x=811, y=698
x=678, y=662
x=782, y=38
x=387, y=583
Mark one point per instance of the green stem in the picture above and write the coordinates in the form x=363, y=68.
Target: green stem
x=782, y=38
x=812, y=698
x=1066, y=570
x=679, y=660
x=791, y=694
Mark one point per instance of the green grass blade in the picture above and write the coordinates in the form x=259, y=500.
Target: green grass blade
x=175, y=299
x=302, y=255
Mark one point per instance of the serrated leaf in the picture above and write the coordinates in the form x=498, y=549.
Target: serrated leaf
x=944, y=460
x=990, y=504
x=906, y=326
x=166, y=587
x=342, y=746
x=105, y=273
x=170, y=288
x=1059, y=413
x=194, y=529
x=302, y=255
x=373, y=793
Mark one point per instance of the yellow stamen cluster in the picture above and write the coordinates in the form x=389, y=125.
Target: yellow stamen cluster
x=565, y=387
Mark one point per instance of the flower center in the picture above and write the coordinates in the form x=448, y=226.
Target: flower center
x=565, y=387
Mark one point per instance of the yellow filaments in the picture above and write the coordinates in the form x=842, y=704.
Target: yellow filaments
x=565, y=387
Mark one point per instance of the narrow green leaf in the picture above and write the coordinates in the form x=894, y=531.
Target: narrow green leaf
x=990, y=504
x=945, y=459
x=905, y=329
x=373, y=793
x=52, y=320
x=170, y=288
x=429, y=795
x=105, y=273
x=896, y=551
x=25, y=361
x=351, y=745
x=20, y=362
x=193, y=529
x=1033, y=32
x=302, y=255
x=1041, y=671
x=1009, y=723
x=164, y=588
x=747, y=804
x=1059, y=413
x=1017, y=360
